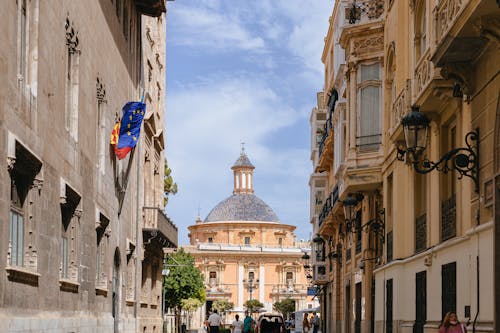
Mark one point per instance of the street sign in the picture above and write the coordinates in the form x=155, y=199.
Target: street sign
x=311, y=291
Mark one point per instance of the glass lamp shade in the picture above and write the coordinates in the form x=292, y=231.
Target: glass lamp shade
x=349, y=207
x=415, y=126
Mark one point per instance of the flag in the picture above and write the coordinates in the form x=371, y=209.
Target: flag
x=115, y=133
x=129, y=128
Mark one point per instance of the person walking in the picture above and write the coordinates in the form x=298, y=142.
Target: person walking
x=237, y=325
x=306, y=326
x=247, y=323
x=214, y=320
x=315, y=323
x=450, y=324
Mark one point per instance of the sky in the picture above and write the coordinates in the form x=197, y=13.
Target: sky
x=242, y=71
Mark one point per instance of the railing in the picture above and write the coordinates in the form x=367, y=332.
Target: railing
x=368, y=142
x=401, y=106
x=364, y=11
x=252, y=247
x=155, y=218
x=330, y=202
x=285, y=289
x=326, y=131
x=447, y=12
x=424, y=71
x=448, y=218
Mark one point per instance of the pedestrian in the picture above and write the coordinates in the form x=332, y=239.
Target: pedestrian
x=214, y=320
x=315, y=323
x=207, y=324
x=247, y=323
x=237, y=325
x=450, y=324
x=306, y=326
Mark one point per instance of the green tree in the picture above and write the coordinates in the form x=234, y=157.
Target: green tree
x=285, y=307
x=253, y=305
x=222, y=305
x=169, y=186
x=183, y=282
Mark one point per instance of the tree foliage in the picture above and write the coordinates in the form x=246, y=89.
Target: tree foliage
x=253, y=304
x=285, y=307
x=184, y=280
x=169, y=186
x=222, y=305
x=191, y=304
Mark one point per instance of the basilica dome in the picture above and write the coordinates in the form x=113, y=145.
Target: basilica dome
x=242, y=207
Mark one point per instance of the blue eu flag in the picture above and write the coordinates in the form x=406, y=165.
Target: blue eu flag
x=130, y=127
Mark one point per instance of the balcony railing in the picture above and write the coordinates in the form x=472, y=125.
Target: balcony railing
x=364, y=11
x=156, y=219
x=401, y=106
x=326, y=131
x=424, y=72
x=446, y=14
x=330, y=202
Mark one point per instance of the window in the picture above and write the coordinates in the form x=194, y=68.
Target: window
x=358, y=231
x=389, y=217
x=420, y=30
x=16, y=240
x=448, y=288
x=280, y=242
x=388, y=305
x=251, y=275
x=70, y=218
x=247, y=240
x=118, y=8
x=23, y=25
x=102, y=240
x=210, y=240
x=25, y=190
x=420, y=200
x=125, y=22
x=369, y=130
x=420, y=301
x=449, y=188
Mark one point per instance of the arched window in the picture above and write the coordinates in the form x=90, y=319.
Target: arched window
x=420, y=30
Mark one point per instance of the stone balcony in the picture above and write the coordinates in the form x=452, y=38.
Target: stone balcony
x=158, y=228
x=152, y=8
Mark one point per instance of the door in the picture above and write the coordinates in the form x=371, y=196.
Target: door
x=420, y=302
x=357, y=320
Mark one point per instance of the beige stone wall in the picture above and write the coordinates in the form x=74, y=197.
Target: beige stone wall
x=32, y=116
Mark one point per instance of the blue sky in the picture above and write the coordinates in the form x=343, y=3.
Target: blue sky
x=242, y=71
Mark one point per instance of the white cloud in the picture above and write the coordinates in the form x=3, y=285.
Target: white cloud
x=203, y=26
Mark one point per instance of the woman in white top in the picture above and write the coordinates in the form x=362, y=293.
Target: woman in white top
x=237, y=325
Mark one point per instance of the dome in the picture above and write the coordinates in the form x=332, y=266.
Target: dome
x=242, y=207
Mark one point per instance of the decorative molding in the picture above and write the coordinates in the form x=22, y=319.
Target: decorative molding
x=78, y=213
x=72, y=40
x=22, y=275
x=100, y=91
x=68, y=285
x=447, y=12
x=11, y=161
x=37, y=183
x=149, y=38
x=158, y=61
x=368, y=44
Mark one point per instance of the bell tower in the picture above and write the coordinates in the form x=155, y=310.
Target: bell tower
x=243, y=173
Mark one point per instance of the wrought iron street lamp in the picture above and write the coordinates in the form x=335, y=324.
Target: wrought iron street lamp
x=349, y=205
x=464, y=160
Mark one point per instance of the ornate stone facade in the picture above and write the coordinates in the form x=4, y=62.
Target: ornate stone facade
x=78, y=231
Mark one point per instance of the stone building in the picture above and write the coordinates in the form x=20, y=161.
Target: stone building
x=82, y=247
x=408, y=241
x=244, y=252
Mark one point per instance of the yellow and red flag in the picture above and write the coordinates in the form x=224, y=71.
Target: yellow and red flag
x=115, y=133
